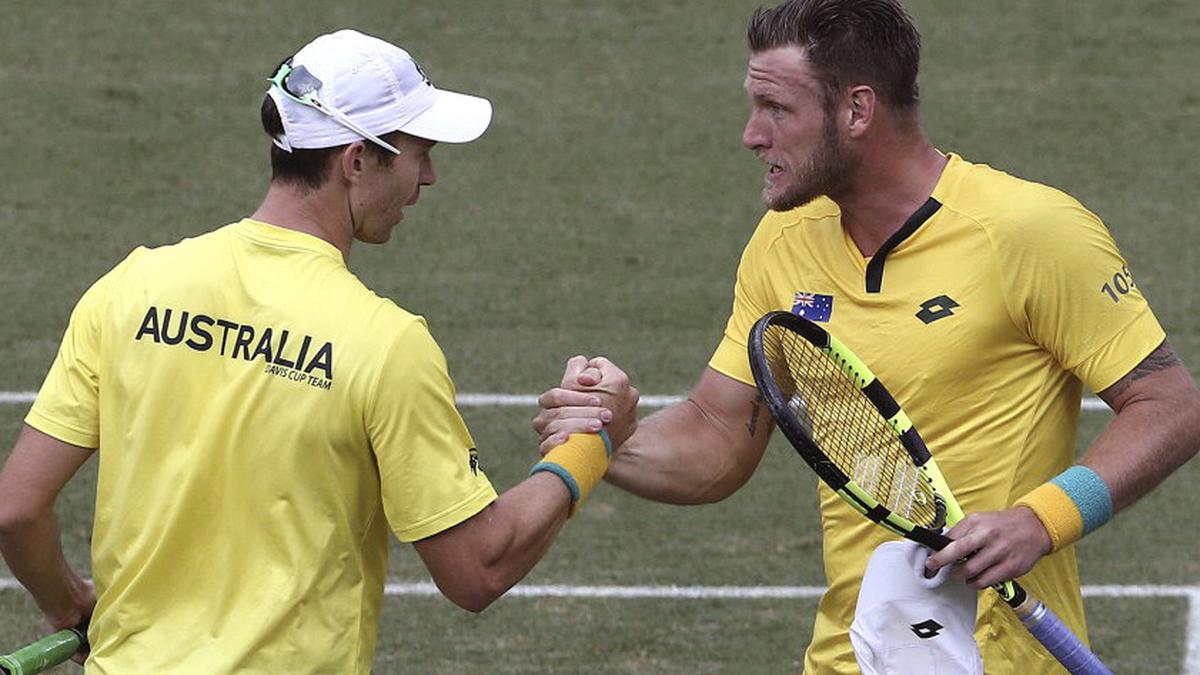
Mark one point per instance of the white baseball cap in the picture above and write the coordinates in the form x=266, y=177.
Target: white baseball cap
x=905, y=623
x=346, y=86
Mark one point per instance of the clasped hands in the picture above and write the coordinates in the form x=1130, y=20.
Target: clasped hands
x=594, y=394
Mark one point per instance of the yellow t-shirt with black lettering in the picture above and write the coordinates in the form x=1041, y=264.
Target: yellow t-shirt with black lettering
x=982, y=316
x=262, y=419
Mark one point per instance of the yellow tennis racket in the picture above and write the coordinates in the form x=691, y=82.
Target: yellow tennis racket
x=853, y=433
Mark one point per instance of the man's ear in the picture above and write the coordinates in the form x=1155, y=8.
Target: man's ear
x=860, y=110
x=350, y=161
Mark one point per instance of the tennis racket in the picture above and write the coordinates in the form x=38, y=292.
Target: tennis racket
x=45, y=653
x=854, y=434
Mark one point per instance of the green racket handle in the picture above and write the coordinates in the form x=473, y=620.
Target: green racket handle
x=45, y=653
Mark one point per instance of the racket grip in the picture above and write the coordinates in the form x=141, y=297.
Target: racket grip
x=1063, y=644
x=43, y=654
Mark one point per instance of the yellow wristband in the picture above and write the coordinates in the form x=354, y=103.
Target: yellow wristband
x=1058, y=513
x=580, y=463
x=1071, y=505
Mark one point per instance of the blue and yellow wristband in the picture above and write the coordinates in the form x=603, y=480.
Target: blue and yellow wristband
x=1071, y=505
x=580, y=462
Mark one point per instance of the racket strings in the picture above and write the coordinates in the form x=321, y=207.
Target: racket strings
x=848, y=428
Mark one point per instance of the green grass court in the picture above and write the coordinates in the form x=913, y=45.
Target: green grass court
x=604, y=212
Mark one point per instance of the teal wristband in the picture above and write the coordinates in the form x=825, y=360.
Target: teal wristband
x=561, y=472
x=1087, y=489
x=607, y=442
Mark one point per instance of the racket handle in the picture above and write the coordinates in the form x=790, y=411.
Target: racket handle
x=43, y=654
x=1054, y=635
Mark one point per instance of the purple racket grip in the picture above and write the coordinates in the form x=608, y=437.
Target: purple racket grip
x=1054, y=635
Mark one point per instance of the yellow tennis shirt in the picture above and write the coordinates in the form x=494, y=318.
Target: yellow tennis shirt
x=262, y=419
x=983, y=316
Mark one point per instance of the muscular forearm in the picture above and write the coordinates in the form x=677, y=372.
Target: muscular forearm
x=1147, y=440
x=1156, y=429
x=520, y=527
x=478, y=560
x=33, y=552
x=696, y=452
x=683, y=456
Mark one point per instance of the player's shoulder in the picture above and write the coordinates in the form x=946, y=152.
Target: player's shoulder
x=1007, y=206
x=400, y=339
x=381, y=313
x=178, y=255
x=317, y=277
x=141, y=263
x=380, y=320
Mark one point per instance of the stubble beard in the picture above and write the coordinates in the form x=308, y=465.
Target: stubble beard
x=826, y=172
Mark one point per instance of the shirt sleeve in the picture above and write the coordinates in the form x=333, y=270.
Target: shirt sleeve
x=1075, y=295
x=751, y=300
x=428, y=466
x=68, y=405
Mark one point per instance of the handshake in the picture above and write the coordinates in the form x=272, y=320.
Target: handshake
x=582, y=422
x=595, y=395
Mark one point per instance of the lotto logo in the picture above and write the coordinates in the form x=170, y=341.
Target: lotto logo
x=926, y=629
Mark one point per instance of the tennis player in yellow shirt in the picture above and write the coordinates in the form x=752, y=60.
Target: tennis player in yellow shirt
x=983, y=301
x=262, y=419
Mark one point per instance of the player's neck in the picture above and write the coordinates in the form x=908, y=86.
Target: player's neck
x=313, y=212
x=892, y=182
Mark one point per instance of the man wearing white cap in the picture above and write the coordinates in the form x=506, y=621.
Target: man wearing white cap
x=263, y=419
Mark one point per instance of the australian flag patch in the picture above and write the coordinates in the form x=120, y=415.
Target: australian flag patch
x=812, y=306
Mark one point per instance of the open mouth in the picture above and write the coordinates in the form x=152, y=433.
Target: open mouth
x=773, y=169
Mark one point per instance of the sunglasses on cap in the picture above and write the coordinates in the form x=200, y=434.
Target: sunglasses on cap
x=302, y=86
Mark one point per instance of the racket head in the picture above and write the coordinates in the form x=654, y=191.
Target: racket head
x=846, y=425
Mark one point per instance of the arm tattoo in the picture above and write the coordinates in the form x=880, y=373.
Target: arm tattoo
x=752, y=425
x=1161, y=358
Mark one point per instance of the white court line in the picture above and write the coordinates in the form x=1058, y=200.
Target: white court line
x=1191, y=658
x=633, y=592
x=509, y=400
